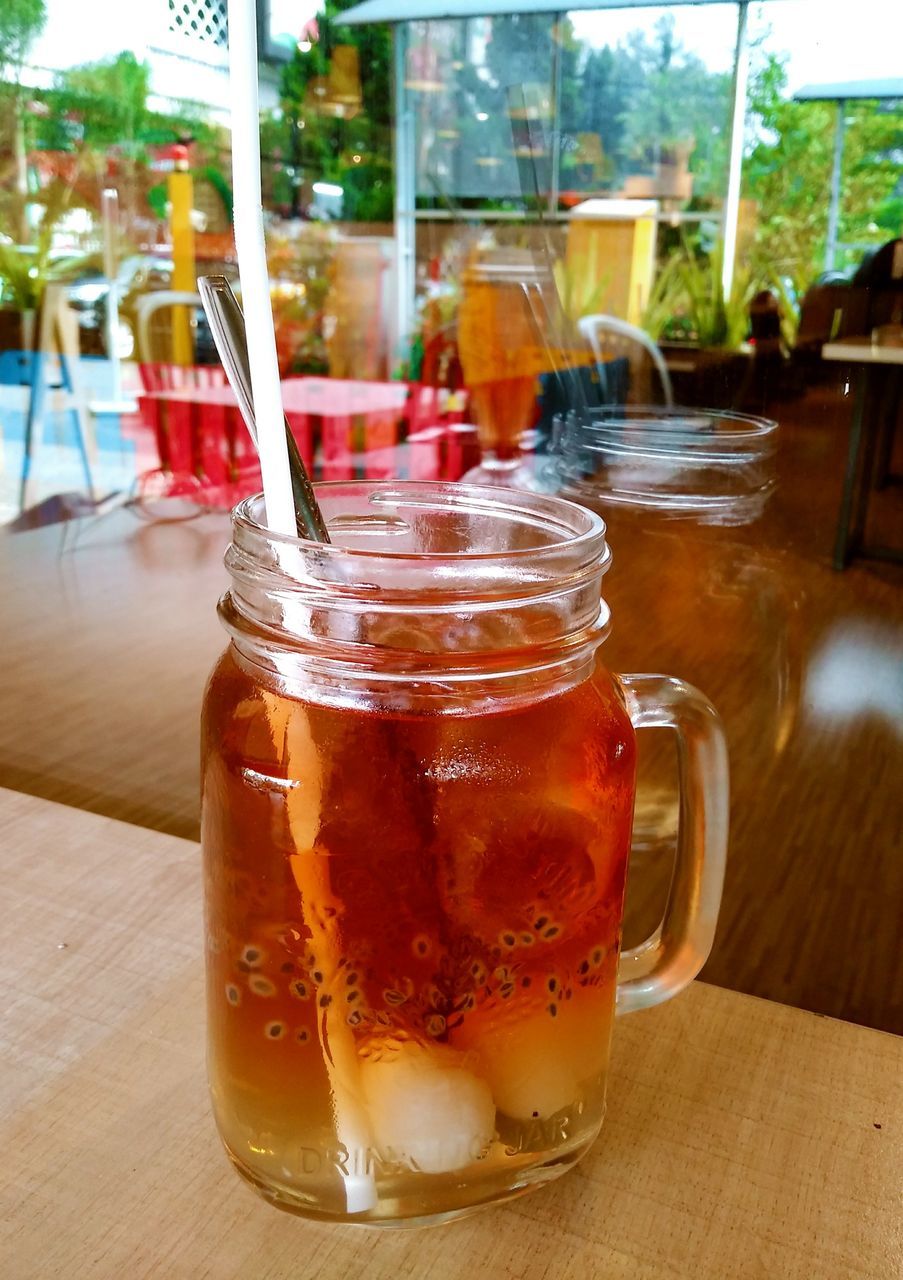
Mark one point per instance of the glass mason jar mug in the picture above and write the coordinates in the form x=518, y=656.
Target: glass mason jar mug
x=418, y=786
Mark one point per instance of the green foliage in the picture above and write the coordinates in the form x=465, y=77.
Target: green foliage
x=98, y=105
x=158, y=195
x=374, y=47
x=465, y=130
x=100, y=110
x=20, y=273
x=889, y=216
x=644, y=98
x=688, y=301
x=788, y=174
x=21, y=22
x=579, y=294
x=789, y=306
x=157, y=199
x=672, y=100
x=320, y=145
x=26, y=270
x=605, y=82
x=368, y=192
x=870, y=191
x=103, y=106
x=210, y=173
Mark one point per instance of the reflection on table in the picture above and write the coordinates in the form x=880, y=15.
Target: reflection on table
x=344, y=429
x=116, y=635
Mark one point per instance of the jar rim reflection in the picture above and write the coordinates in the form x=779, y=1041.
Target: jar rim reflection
x=457, y=588
x=714, y=465
x=583, y=531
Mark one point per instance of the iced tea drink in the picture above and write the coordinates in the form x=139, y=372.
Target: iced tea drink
x=416, y=824
x=501, y=347
x=504, y=409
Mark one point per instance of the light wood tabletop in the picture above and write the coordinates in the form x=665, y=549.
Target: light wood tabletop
x=744, y=1139
x=864, y=350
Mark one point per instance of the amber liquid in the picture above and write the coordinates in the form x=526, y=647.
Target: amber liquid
x=504, y=410
x=502, y=353
x=413, y=925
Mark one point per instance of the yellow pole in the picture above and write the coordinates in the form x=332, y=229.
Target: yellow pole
x=181, y=199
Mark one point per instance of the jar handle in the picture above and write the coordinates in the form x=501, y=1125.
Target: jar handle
x=675, y=952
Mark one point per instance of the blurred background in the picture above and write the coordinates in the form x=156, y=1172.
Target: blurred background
x=765, y=156
x=487, y=234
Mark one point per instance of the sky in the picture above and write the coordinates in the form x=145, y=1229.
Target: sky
x=826, y=40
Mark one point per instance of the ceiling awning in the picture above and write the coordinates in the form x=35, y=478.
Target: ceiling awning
x=414, y=10
x=844, y=90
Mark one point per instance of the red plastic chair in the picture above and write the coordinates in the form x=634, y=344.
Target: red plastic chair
x=442, y=445
x=425, y=453
x=176, y=377
x=204, y=449
x=337, y=445
x=462, y=449
x=443, y=452
x=194, y=440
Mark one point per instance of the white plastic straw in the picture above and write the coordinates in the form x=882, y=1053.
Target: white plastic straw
x=336, y=1037
x=252, y=266
x=310, y=868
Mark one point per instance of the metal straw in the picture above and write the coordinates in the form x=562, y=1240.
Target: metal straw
x=227, y=325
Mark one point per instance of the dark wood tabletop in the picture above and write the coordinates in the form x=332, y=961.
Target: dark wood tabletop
x=109, y=629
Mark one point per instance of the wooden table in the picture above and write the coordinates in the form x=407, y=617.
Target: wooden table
x=110, y=634
x=869, y=358
x=744, y=1139
x=110, y=631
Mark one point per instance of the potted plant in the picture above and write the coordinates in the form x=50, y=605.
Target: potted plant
x=701, y=329
x=300, y=282
x=27, y=269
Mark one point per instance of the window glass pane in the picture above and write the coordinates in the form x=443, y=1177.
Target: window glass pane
x=793, y=146
x=645, y=102
x=471, y=83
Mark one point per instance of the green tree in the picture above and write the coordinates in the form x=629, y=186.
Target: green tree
x=465, y=132
x=672, y=99
x=100, y=105
x=871, y=206
x=787, y=172
x=21, y=22
x=519, y=56
x=646, y=98
x=99, y=113
x=321, y=138
x=600, y=105
x=103, y=106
